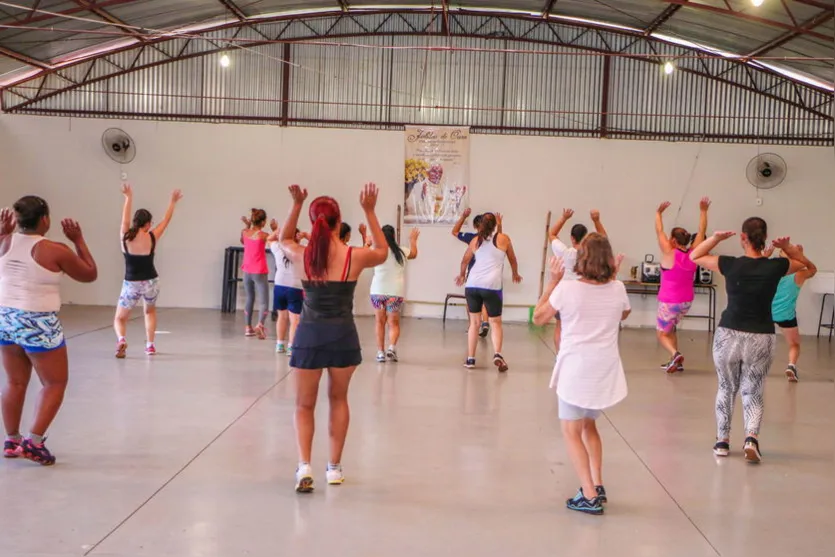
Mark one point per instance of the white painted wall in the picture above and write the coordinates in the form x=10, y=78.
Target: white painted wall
x=225, y=170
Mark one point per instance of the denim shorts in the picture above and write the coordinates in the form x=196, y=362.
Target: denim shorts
x=34, y=331
x=570, y=412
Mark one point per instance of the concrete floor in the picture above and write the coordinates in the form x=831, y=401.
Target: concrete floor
x=193, y=453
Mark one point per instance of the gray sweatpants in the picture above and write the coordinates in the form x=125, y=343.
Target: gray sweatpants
x=742, y=361
x=256, y=284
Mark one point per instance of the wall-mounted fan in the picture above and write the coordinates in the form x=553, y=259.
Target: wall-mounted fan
x=118, y=145
x=766, y=171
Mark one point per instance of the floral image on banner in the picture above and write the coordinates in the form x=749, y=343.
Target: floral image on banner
x=437, y=174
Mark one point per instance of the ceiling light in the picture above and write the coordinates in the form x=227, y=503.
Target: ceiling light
x=669, y=68
x=757, y=3
x=224, y=61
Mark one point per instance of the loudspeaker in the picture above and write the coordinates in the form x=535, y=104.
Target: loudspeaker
x=703, y=276
x=650, y=270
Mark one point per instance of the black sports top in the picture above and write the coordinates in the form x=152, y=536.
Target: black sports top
x=140, y=267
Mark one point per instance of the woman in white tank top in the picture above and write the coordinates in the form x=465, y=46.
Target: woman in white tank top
x=30, y=332
x=484, y=285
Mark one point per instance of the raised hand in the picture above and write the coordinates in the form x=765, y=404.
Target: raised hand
x=273, y=225
x=72, y=230
x=246, y=221
x=368, y=196
x=567, y=213
x=723, y=234
x=298, y=194
x=498, y=219
x=618, y=261
x=782, y=242
x=362, y=229
x=704, y=204
x=176, y=195
x=595, y=215
x=414, y=234
x=7, y=221
x=127, y=190
x=663, y=207
x=466, y=213
x=768, y=251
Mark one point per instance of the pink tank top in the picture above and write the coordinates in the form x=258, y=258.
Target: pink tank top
x=255, y=256
x=677, y=283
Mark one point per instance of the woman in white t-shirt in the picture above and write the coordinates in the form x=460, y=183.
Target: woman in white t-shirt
x=588, y=374
x=288, y=295
x=387, y=289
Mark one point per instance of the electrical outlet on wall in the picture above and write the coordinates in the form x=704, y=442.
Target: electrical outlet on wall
x=759, y=202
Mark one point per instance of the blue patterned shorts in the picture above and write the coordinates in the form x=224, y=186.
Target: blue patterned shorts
x=34, y=331
x=134, y=291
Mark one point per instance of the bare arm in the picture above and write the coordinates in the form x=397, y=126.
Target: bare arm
x=176, y=196
x=700, y=255
x=797, y=259
x=544, y=311
x=704, y=205
x=558, y=226
x=456, y=230
x=379, y=250
x=287, y=233
x=7, y=223
x=499, y=220
x=663, y=241
x=78, y=265
x=465, y=262
x=598, y=224
x=128, y=193
x=413, y=243
x=511, y=258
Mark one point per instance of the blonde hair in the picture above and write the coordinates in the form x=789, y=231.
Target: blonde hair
x=595, y=259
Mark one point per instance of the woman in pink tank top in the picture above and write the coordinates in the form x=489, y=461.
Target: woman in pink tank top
x=678, y=273
x=256, y=280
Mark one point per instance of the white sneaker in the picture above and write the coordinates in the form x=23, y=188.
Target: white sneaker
x=334, y=475
x=391, y=354
x=279, y=348
x=304, y=478
x=381, y=356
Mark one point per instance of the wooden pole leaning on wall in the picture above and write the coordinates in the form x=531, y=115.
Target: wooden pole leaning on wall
x=399, y=214
x=544, y=255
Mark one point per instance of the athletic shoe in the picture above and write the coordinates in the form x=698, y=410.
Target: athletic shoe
x=260, y=332
x=391, y=355
x=249, y=332
x=581, y=504
x=334, y=475
x=601, y=494
x=752, y=450
x=151, y=350
x=498, y=361
x=280, y=348
x=289, y=351
x=721, y=448
x=791, y=373
x=673, y=364
x=121, y=349
x=304, y=479
x=381, y=356
x=36, y=452
x=11, y=448
x=470, y=363
x=484, y=330
x=679, y=367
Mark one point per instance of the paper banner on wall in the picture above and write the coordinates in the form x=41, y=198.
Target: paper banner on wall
x=437, y=174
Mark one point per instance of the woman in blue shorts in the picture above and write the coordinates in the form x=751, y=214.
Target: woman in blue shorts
x=288, y=295
x=31, y=335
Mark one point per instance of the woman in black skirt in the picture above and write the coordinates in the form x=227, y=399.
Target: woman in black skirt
x=326, y=337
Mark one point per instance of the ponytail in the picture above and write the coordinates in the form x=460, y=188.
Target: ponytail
x=141, y=218
x=486, y=227
x=388, y=232
x=324, y=214
x=682, y=237
x=258, y=217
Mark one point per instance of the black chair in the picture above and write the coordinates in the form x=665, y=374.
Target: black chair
x=446, y=303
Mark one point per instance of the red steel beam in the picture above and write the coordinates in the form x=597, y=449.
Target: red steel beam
x=752, y=18
x=110, y=18
x=233, y=8
x=20, y=57
x=819, y=19
x=70, y=11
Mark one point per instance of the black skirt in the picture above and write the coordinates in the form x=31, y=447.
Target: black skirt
x=321, y=345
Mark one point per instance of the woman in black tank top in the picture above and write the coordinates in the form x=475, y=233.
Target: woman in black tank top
x=327, y=336
x=141, y=282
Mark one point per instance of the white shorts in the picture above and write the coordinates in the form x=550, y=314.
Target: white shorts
x=571, y=413
x=135, y=291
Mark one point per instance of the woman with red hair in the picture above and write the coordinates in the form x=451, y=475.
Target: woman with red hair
x=326, y=337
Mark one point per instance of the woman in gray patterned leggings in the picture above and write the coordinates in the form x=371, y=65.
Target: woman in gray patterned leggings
x=743, y=346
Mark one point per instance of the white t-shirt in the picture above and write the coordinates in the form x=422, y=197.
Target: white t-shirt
x=389, y=276
x=285, y=275
x=569, y=258
x=589, y=372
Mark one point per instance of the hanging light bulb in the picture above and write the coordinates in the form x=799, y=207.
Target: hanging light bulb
x=669, y=68
x=757, y=3
x=225, y=61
